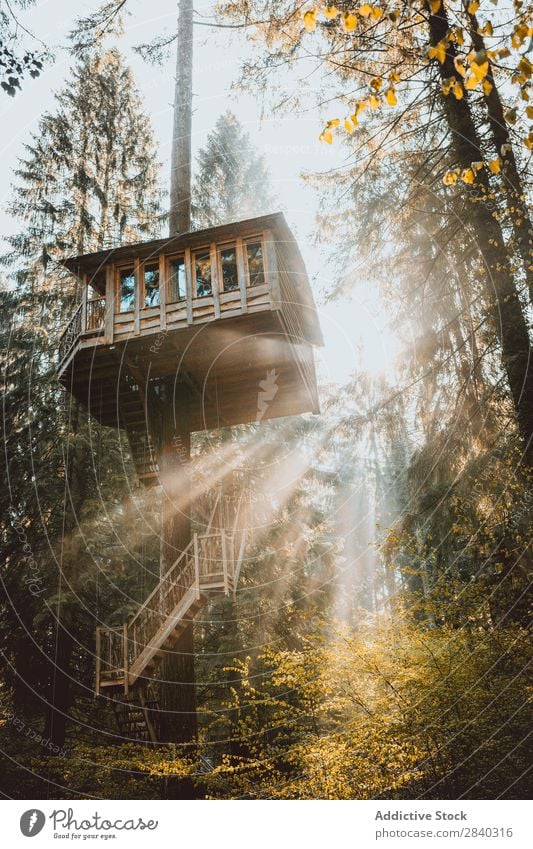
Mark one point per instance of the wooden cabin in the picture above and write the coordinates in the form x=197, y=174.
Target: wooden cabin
x=228, y=311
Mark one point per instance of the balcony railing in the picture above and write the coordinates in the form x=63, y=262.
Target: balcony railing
x=90, y=321
x=70, y=334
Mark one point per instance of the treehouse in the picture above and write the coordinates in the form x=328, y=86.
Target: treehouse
x=227, y=311
x=210, y=328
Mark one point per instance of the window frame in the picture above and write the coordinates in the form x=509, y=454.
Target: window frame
x=168, y=270
x=194, y=282
x=220, y=276
x=118, y=272
x=253, y=240
x=142, y=287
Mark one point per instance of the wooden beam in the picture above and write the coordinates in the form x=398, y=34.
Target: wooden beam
x=215, y=279
x=98, y=650
x=162, y=292
x=271, y=270
x=84, y=296
x=242, y=274
x=110, y=297
x=137, y=270
x=189, y=277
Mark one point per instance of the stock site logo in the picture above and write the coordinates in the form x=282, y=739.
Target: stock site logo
x=32, y=822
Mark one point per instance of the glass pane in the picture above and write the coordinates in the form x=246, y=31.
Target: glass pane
x=203, y=274
x=255, y=263
x=151, y=286
x=127, y=290
x=176, y=285
x=228, y=261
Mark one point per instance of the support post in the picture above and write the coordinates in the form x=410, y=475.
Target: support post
x=98, y=649
x=172, y=439
x=125, y=650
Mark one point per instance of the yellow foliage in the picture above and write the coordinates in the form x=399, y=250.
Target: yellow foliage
x=349, y=22
x=391, y=98
x=310, y=20
x=438, y=51
x=467, y=176
x=326, y=136
x=458, y=91
x=473, y=7
x=331, y=12
x=495, y=166
x=365, y=10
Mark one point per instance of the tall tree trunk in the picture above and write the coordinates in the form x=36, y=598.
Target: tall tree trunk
x=178, y=686
x=180, y=178
x=503, y=302
x=515, y=193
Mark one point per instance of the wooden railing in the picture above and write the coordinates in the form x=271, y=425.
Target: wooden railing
x=88, y=318
x=71, y=334
x=210, y=562
x=95, y=315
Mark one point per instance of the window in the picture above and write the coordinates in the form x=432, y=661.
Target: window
x=177, y=289
x=228, y=265
x=202, y=265
x=126, y=289
x=254, y=255
x=151, y=285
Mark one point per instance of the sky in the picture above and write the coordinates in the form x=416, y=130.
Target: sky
x=354, y=330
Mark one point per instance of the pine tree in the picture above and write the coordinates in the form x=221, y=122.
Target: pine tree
x=232, y=181
x=89, y=180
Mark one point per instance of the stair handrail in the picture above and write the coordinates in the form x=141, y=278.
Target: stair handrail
x=158, y=586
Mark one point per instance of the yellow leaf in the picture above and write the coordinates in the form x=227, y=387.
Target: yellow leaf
x=377, y=13
x=373, y=102
x=438, y=51
x=495, y=166
x=349, y=126
x=349, y=22
x=471, y=82
x=310, y=20
x=365, y=10
x=477, y=166
x=487, y=87
x=479, y=70
x=326, y=136
x=392, y=100
x=459, y=36
x=487, y=29
x=394, y=77
x=376, y=83
x=467, y=176
x=450, y=178
x=459, y=66
x=331, y=12
x=511, y=116
x=435, y=6
x=358, y=109
x=474, y=6
x=529, y=112
x=335, y=122
x=458, y=91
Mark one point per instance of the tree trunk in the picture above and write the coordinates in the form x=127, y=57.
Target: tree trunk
x=502, y=297
x=515, y=193
x=178, y=687
x=180, y=178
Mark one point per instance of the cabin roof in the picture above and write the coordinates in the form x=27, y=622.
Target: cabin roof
x=93, y=263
